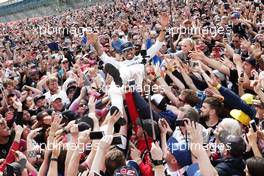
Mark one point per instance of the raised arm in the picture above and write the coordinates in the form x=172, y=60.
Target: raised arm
x=164, y=129
x=157, y=154
x=235, y=102
x=96, y=127
x=53, y=167
x=93, y=40
x=195, y=131
x=198, y=55
x=253, y=142
x=103, y=146
x=83, y=139
x=31, y=153
x=167, y=90
x=34, y=90
x=257, y=88
x=187, y=78
x=170, y=69
x=153, y=50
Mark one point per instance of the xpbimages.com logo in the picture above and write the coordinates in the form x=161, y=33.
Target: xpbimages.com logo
x=211, y=147
x=213, y=30
x=54, y=30
x=69, y=146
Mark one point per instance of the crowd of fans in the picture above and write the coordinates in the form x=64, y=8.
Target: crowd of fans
x=140, y=88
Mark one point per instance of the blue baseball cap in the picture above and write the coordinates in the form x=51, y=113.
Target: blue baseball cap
x=235, y=15
x=180, y=151
x=126, y=46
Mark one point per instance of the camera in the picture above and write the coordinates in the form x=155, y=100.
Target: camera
x=180, y=123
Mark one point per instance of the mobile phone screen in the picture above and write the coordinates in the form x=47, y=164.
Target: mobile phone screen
x=96, y=135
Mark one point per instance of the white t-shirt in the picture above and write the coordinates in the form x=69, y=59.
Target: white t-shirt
x=62, y=94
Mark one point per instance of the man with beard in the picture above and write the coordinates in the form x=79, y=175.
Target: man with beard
x=210, y=115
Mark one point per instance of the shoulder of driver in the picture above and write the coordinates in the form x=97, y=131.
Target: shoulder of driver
x=134, y=61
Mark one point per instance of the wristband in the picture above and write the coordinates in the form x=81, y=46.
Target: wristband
x=53, y=159
x=164, y=30
x=157, y=162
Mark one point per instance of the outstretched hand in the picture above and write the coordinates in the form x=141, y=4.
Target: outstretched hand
x=92, y=38
x=195, y=132
x=156, y=151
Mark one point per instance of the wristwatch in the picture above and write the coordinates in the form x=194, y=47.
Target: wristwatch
x=157, y=162
x=164, y=30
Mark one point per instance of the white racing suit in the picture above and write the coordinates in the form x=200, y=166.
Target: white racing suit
x=129, y=69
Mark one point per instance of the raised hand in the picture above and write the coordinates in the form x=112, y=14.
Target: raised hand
x=16, y=103
x=214, y=82
x=114, y=118
x=227, y=62
x=92, y=38
x=195, y=132
x=55, y=125
x=69, y=125
x=254, y=73
x=83, y=92
x=91, y=104
x=135, y=153
x=252, y=137
x=74, y=129
x=18, y=129
x=171, y=64
x=105, y=142
x=256, y=85
x=245, y=44
x=164, y=126
x=156, y=152
x=84, y=137
x=33, y=133
x=257, y=52
x=196, y=55
x=57, y=145
x=198, y=68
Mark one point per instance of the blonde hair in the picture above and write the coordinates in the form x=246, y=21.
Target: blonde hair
x=8, y=82
x=51, y=79
x=190, y=41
